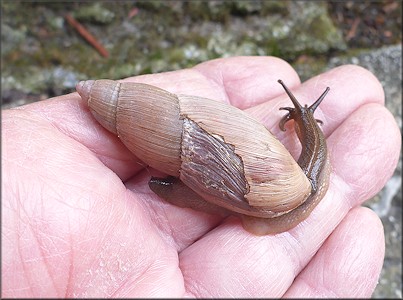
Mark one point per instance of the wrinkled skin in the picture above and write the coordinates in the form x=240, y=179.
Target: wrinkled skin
x=80, y=221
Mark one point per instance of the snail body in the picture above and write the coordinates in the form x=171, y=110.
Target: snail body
x=218, y=158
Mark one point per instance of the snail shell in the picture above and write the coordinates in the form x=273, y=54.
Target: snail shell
x=218, y=158
x=221, y=153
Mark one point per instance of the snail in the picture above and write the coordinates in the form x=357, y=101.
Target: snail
x=217, y=158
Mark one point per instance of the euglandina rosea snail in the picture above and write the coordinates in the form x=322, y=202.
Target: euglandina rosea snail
x=218, y=158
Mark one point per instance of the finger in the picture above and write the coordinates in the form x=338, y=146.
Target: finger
x=365, y=150
x=269, y=264
x=348, y=264
x=249, y=81
x=241, y=81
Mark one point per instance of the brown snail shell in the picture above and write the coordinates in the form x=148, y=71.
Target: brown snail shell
x=218, y=151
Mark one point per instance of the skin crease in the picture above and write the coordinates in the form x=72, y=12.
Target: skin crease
x=71, y=228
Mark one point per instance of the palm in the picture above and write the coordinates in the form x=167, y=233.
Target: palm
x=79, y=231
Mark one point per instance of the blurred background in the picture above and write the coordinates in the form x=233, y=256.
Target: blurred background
x=46, y=47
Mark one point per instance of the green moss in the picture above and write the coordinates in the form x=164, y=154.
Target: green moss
x=313, y=35
x=163, y=35
x=95, y=13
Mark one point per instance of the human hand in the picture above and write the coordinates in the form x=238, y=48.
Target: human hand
x=80, y=221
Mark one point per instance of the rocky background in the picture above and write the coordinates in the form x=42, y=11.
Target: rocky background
x=44, y=53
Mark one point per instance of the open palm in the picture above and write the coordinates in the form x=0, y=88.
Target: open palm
x=80, y=221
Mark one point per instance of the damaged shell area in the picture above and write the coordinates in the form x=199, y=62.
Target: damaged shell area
x=276, y=183
x=217, y=150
